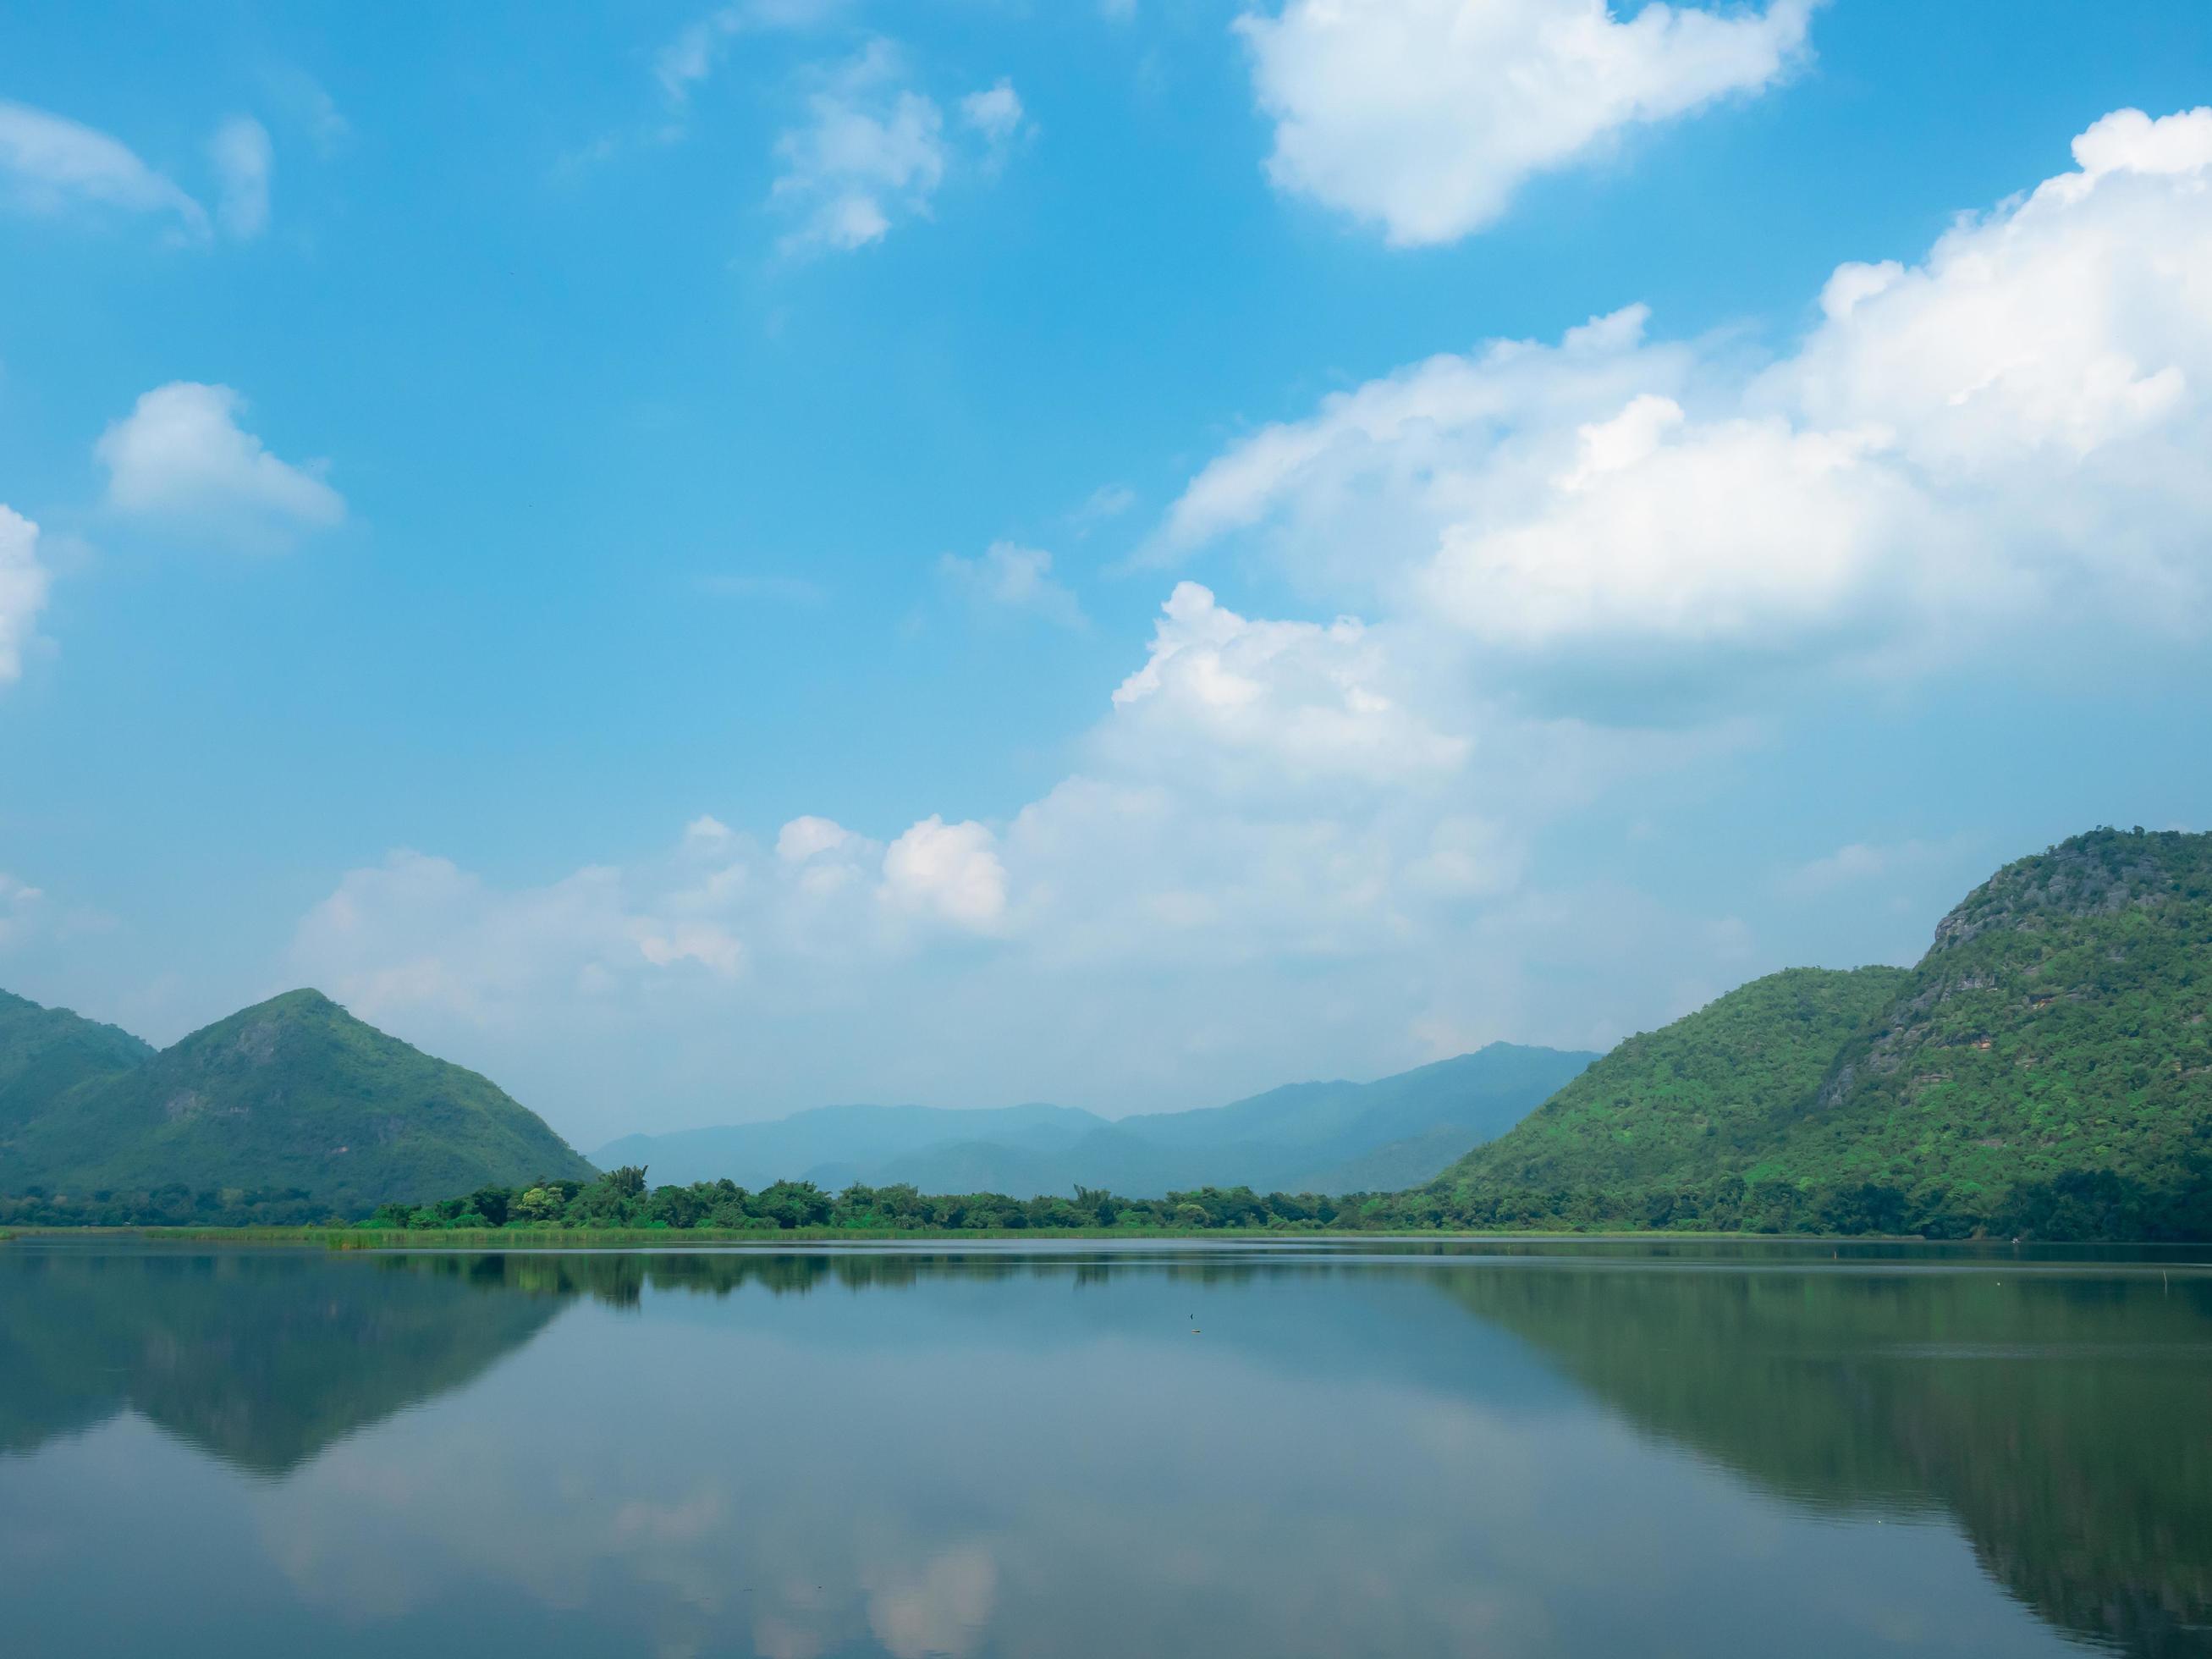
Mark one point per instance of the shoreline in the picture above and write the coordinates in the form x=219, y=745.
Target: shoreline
x=578, y=1238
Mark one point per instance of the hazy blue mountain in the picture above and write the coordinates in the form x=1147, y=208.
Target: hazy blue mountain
x=1309, y=1137
x=836, y=1144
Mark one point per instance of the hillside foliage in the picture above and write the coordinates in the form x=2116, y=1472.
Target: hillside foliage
x=2046, y=1071
x=294, y=1095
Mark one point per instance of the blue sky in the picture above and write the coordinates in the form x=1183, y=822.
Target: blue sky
x=643, y=549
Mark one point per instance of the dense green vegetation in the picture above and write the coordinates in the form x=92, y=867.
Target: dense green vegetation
x=48, y=1054
x=621, y=1200
x=289, y=1110
x=2046, y=1071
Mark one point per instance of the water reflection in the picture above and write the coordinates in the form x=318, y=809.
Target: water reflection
x=2058, y=1416
x=261, y=1358
x=975, y=1452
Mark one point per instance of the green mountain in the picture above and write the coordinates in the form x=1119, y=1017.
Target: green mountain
x=1717, y=1087
x=294, y=1095
x=45, y=1053
x=2047, y=1067
x=2058, y=1025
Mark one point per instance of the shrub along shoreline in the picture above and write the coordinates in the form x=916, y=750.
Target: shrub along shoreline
x=619, y=1206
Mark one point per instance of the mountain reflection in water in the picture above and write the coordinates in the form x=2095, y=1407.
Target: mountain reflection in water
x=1388, y=1449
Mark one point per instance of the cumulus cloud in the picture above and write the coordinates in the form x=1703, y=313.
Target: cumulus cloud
x=242, y=158
x=49, y=163
x=1425, y=116
x=804, y=838
x=873, y=150
x=1261, y=799
x=1294, y=702
x=2001, y=433
x=1310, y=844
x=1257, y=792
x=948, y=871
x=418, y=931
x=417, y=934
x=23, y=584
x=872, y=147
x=1009, y=577
x=181, y=458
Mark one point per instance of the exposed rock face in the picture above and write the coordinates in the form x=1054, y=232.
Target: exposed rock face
x=2100, y=873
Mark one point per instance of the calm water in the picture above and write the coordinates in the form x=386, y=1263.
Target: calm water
x=1392, y=1451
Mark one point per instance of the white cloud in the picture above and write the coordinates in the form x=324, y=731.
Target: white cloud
x=23, y=586
x=803, y=838
x=996, y=111
x=1108, y=501
x=1425, y=116
x=873, y=150
x=181, y=456
x=950, y=870
x=242, y=158
x=690, y=57
x=1300, y=845
x=49, y=163
x=708, y=831
x=1014, y=578
x=693, y=55
x=417, y=932
x=2003, y=434
x=872, y=147
x=1291, y=701
x=1261, y=800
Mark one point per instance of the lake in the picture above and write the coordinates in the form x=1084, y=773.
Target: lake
x=1157, y=1450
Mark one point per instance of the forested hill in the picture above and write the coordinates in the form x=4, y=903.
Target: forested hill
x=2046, y=1068
x=46, y=1053
x=1667, y=1109
x=293, y=1100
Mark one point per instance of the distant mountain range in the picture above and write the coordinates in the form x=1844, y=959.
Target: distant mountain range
x=292, y=1095
x=1305, y=1137
x=294, y=1108
x=2046, y=1069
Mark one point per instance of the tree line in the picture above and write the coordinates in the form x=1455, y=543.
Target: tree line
x=620, y=1198
x=2086, y=1206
